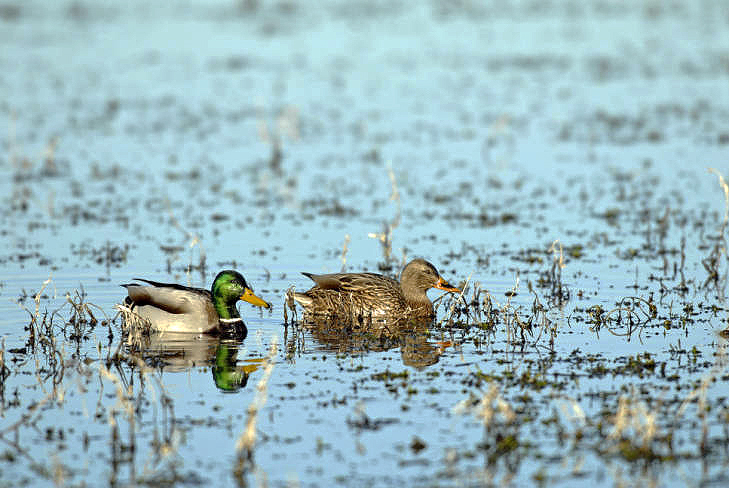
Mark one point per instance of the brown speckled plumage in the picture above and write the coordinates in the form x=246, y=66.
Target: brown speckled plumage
x=371, y=295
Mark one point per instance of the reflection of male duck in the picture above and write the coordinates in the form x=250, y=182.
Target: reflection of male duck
x=176, y=352
x=228, y=376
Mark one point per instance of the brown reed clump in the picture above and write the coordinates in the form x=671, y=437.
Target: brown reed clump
x=134, y=326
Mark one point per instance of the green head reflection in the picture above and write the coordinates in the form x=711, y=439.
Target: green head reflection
x=230, y=377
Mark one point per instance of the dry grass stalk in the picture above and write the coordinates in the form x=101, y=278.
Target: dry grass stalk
x=573, y=412
x=725, y=188
x=245, y=444
x=487, y=408
x=700, y=394
x=385, y=237
x=27, y=416
x=712, y=262
x=459, y=297
x=634, y=420
x=287, y=123
x=345, y=248
x=133, y=325
x=24, y=165
x=13, y=139
x=290, y=304
x=559, y=294
x=558, y=259
x=194, y=240
x=35, y=316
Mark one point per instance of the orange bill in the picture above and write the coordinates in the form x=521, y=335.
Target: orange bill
x=444, y=285
x=250, y=297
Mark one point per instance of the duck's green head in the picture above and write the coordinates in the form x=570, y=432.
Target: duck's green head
x=229, y=287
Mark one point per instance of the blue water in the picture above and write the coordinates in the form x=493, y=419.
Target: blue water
x=506, y=126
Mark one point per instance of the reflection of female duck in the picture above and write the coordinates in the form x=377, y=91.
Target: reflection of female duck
x=374, y=295
x=170, y=307
x=416, y=349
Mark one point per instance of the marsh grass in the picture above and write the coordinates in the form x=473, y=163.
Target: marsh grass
x=289, y=305
x=385, y=237
x=82, y=317
x=345, y=248
x=48, y=333
x=42, y=341
x=712, y=262
x=193, y=241
x=134, y=327
x=484, y=312
x=635, y=433
x=551, y=279
x=501, y=431
x=630, y=315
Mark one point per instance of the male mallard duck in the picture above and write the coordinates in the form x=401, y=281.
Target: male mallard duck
x=373, y=295
x=171, y=307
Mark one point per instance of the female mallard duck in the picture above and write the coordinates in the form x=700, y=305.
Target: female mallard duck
x=364, y=295
x=170, y=307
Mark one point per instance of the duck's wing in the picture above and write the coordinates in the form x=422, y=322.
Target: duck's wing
x=352, y=282
x=169, y=285
x=172, y=298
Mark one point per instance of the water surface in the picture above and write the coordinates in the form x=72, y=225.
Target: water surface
x=169, y=142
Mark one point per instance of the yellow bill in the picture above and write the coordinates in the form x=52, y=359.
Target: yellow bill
x=250, y=297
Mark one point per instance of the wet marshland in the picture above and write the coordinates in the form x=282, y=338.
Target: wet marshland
x=552, y=158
